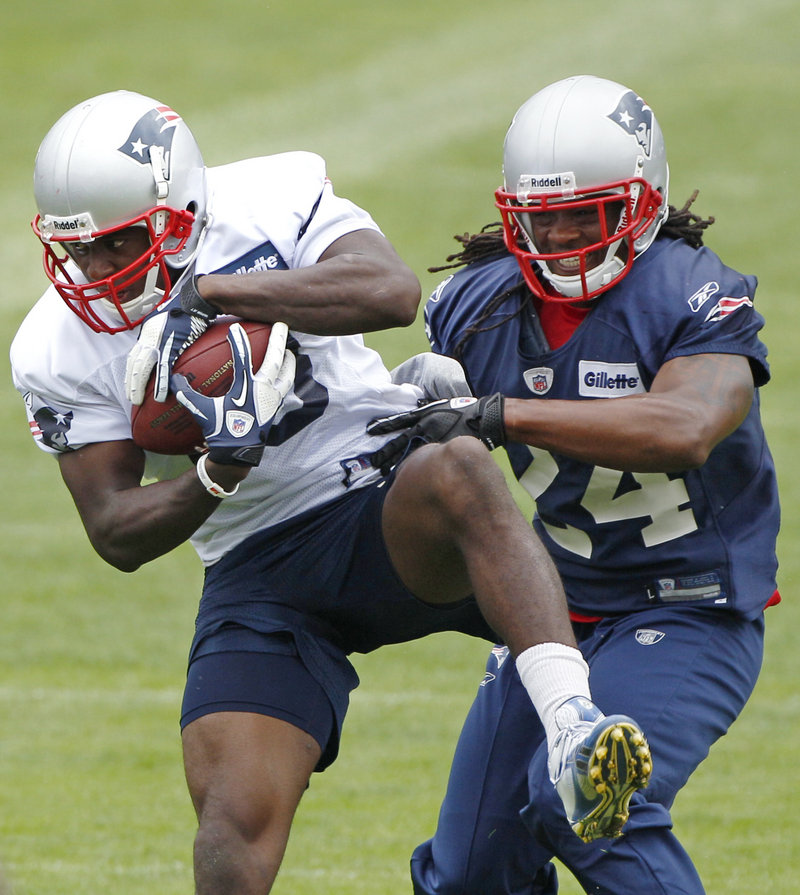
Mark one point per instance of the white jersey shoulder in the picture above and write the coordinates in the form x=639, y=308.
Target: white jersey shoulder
x=283, y=203
x=63, y=368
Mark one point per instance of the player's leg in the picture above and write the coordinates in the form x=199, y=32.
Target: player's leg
x=481, y=846
x=452, y=529
x=255, y=728
x=686, y=673
x=246, y=773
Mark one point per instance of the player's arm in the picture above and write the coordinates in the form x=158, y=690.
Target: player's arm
x=694, y=402
x=359, y=284
x=129, y=524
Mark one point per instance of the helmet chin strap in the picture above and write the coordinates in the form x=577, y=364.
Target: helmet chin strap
x=151, y=294
x=141, y=306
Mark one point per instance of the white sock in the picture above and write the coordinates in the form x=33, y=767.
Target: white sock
x=552, y=673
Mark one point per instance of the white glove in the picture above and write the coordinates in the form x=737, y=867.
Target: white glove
x=437, y=375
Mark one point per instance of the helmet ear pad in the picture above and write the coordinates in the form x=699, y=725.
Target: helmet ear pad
x=577, y=141
x=114, y=161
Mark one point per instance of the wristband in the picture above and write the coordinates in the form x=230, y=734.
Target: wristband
x=192, y=302
x=211, y=486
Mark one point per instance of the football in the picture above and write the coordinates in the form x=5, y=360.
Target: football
x=168, y=427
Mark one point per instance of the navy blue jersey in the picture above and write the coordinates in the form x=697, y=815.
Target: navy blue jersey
x=624, y=541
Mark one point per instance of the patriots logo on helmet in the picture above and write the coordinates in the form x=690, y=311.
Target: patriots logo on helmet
x=635, y=117
x=156, y=128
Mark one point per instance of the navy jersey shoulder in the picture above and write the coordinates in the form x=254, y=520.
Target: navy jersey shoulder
x=702, y=537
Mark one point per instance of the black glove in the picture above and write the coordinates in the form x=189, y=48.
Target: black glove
x=481, y=418
x=190, y=299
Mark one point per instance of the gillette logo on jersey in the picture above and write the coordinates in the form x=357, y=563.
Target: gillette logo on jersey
x=601, y=380
x=262, y=257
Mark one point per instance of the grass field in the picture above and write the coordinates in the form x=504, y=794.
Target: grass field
x=409, y=103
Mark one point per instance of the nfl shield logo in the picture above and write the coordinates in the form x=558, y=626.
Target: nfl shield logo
x=538, y=379
x=238, y=423
x=647, y=636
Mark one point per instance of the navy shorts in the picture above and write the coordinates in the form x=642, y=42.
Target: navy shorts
x=307, y=593
x=269, y=678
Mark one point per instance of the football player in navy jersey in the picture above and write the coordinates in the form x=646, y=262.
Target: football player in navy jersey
x=310, y=552
x=626, y=361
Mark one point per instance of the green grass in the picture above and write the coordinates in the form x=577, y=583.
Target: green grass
x=409, y=103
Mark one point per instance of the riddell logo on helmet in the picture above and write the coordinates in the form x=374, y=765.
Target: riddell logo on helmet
x=67, y=224
x=51, y=227
x=547, y=183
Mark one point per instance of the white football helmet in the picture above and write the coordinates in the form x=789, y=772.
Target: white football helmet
x=591, y=143
x=114, y=161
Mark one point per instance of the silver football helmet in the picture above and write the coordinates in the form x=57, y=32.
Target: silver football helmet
x=584, y=142
x=118, y=160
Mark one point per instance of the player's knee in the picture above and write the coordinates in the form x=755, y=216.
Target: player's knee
x=226, y=860
x=463, y=474
x=219, y=852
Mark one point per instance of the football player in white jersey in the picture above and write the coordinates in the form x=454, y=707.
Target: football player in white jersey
x=311, y=552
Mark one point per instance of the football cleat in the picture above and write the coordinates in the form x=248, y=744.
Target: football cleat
x=596, y=764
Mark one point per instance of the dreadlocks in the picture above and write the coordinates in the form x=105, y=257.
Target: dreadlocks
x=685, y=224
x=489, y=243
x=680, y=224
x=475, y=247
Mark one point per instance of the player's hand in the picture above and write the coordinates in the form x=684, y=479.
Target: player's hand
x=236, y=425
x=166, y=332
x=440, y=421
x=438, y=375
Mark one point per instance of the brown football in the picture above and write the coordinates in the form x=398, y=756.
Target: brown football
x=168, y=427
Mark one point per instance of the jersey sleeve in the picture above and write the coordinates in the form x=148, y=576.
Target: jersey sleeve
x=437, y=316
x=330, y=217
x=274, y=212
x=720, y=318
x=58, y=427
x=461, y=300
x=72, y=386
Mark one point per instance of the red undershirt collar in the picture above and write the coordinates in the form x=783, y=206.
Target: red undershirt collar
x=559, y=320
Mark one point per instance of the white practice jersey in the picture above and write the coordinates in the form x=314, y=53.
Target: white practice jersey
x=272, y=213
